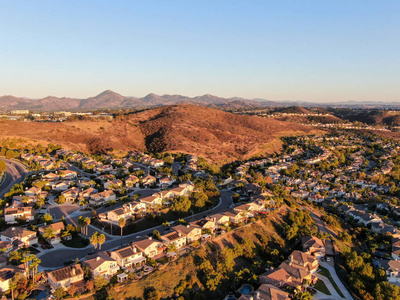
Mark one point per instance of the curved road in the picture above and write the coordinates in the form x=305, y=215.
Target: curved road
x=55, y=258
x=15, y=173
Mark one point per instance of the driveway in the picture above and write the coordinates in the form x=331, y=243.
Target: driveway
x=335, y=278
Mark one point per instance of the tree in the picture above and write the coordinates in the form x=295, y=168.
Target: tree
x=61, y=199
x=90, y=285
x=150, y=293
x=100, y=282
x=33, y=267
x=121, y=223
x=59, y=293
x=94, y=240
x=101, y=239
x=14, y=283
x=386, y=291
x=81, y=223
x=72, y=290
x=87, y=223
x=15, y=255
x=49, y=234
x=156, y=235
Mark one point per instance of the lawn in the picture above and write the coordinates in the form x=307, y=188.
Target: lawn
x=323, y=271
x=321, y=286
x=76, y=243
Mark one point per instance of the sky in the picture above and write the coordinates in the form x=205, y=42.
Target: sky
x=319, y=51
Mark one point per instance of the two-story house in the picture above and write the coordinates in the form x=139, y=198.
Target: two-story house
x=129, y=257
x=65, y=277
x=102, y=265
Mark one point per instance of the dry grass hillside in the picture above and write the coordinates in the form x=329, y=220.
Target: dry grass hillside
x=207, y=132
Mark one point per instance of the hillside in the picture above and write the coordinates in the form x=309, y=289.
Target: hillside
x=294, y=110
x=207, y=132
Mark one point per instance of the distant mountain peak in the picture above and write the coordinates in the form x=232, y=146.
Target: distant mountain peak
x=108, y=93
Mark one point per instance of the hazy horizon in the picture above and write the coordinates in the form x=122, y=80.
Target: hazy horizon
x=280, y=51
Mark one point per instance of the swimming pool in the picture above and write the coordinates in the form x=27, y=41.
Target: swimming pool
x=246, y=289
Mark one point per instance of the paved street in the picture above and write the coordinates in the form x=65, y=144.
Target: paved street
x=15, y=173
x=56, y=257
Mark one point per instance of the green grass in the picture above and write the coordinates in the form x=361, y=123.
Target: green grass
x=327, y=274
x=321, y=286
x=76, y=243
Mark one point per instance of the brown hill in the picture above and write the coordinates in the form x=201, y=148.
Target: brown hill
x=294, y=110
x=207, y=132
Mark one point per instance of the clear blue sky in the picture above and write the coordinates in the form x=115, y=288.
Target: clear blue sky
x=299, y=50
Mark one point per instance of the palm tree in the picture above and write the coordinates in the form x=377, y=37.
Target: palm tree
x=26, y=258
x=13, y=284
x=81, y=223
x=121, y=223
x=94, y=240
x=83, y=203
x=101, y=239
x=33, y=267
x=49, y=234
x=87, y=222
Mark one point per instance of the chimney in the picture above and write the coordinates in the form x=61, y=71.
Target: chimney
x=98, y=258
x=187, y=226
x=257, y=294
x=180, y=234
x=73, y=272
x=134, y=249
x=150, y=238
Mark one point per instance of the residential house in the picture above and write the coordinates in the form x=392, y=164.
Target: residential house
x=60, y=185
x=56, y=227
x=19, y=236
x=219, y=219
x=148, y=180
x=65, y=277
x=86, y=194
x=317, y=198
x=178, y=238
x=166, y=181
x=113, y=184
x=267, y=292
x=304, y=261
x=33, y=191
x=102, y=198
x=150, y=247
x=136, y=207
x=364, y=218
x=102, y=265
x=193, y=233
x=122, y=212
x=5, y=246
x=13, y=213
x=236, y=217
x=132, y=181
x=152, y=201
x=68, y=174
x=392, y=269
x=6, y=275
x=129, y=257
x=204, y=224
x=313, y=245
x=71, y=194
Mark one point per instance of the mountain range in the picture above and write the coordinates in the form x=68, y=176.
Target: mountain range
x=112, y=100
